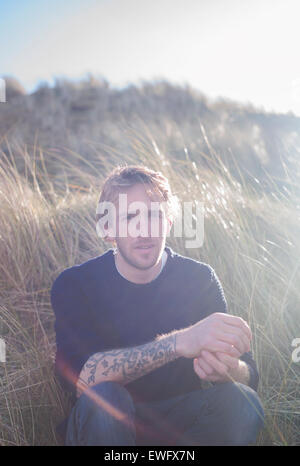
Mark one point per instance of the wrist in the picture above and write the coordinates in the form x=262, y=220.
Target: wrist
x=183, y=343
x=179, y=343
x=241, y=373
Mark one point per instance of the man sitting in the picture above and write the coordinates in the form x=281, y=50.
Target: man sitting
x=140, y=327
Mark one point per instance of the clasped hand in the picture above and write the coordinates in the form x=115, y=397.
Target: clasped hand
x=215, y=367
x=217, y=363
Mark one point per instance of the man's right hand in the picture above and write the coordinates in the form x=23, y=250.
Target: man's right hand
x=218, y=332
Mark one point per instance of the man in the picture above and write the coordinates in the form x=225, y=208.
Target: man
x=139, y=328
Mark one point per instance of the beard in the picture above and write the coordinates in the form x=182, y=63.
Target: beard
x=136, y=259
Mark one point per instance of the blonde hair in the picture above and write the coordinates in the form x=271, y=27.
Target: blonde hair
x=123, y=177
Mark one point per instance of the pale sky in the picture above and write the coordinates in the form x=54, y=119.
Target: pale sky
x=245, y=50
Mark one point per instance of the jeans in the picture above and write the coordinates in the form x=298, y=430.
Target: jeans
x=224, y=414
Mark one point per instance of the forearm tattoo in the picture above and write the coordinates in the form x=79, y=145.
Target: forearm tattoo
x=126, y=365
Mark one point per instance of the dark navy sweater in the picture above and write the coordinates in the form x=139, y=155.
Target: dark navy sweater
x=97, y=309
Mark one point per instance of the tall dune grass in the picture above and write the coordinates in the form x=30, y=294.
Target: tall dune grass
x=252, y=239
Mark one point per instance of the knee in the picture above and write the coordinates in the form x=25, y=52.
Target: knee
x=108, y=396
x=110, y=390
x=102, y=415
x=246, y=414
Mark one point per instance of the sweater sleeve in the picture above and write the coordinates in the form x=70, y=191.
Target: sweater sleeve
x=69, y=305
x=215, y=301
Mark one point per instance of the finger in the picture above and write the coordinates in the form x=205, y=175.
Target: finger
x=228, y=360
x=204, y=365
x=231, y=339
x=239, y=333
x=202, y=375
x=218, y=366
x=236, y=321
x=199, y=371
x=223, y=347
x=236, y=341
x=214, y=378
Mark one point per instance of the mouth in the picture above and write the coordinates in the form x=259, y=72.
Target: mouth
x=145, y=247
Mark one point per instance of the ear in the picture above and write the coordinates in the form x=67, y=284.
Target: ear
x=169, y=224
x=106, y=234
x=110, y=239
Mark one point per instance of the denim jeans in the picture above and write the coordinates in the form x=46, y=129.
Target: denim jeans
x=224, y=414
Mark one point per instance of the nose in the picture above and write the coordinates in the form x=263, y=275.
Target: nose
x=145, y=226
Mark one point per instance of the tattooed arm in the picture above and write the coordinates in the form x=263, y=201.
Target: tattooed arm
x=126, y=365
x=216, y=333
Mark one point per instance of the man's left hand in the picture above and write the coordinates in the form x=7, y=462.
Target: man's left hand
x=215, y=367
